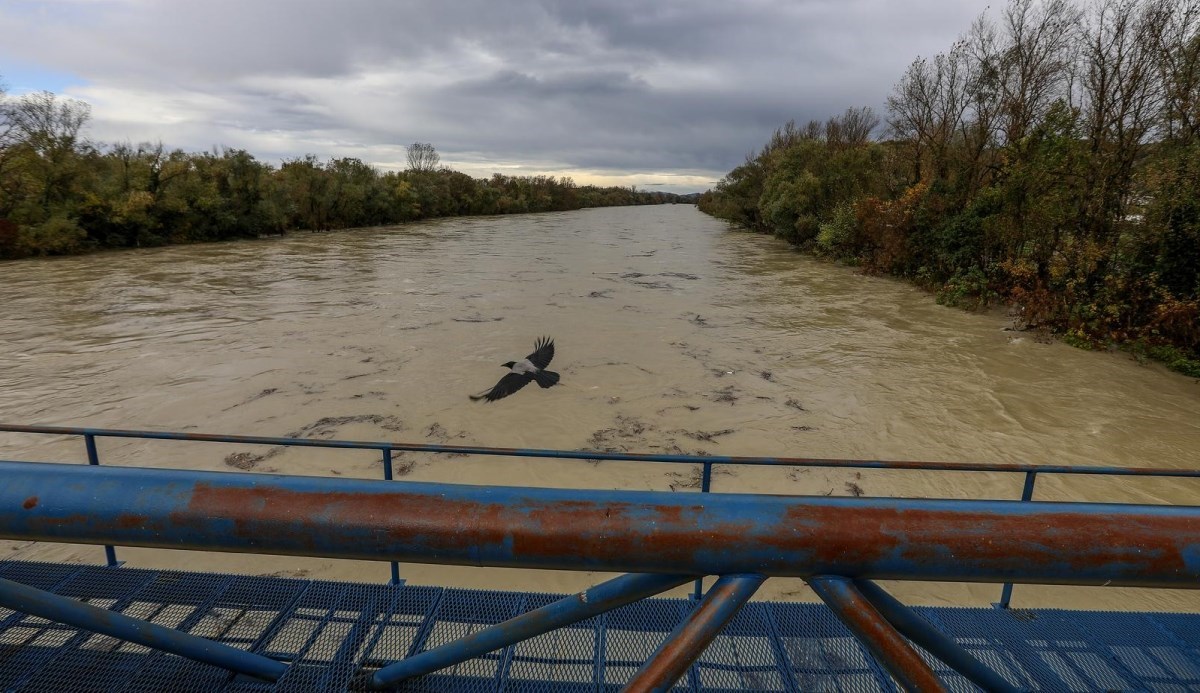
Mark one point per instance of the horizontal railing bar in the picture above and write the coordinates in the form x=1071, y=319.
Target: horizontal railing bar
x=1005, y=467
x=604, y=530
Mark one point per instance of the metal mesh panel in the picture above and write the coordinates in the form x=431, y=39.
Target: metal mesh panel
x=240, y=613
x=330, y=632
x=562, y=660
x=58, y=657
x=822, y=655
x=633, y=632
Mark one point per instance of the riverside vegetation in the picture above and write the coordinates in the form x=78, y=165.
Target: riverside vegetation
x=1049, y=159
x=62, y=194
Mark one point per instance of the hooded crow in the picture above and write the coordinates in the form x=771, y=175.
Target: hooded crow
x=521, y=373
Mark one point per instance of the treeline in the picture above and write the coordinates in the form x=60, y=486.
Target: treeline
x=60, y=193
x=1050, y=158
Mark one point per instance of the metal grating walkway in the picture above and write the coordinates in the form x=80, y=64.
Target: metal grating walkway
x=328, y=630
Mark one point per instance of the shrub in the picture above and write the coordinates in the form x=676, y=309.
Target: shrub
x=58, y=235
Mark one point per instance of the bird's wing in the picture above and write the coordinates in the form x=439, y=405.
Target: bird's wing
x=543, y=352
x=507, y=385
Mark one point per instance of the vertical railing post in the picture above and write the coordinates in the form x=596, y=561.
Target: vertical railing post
x=705, y=487
x=110, y=554
x=1026, y=496
x=387, y=475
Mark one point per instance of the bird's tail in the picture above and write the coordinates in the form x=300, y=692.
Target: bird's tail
x=546, y=378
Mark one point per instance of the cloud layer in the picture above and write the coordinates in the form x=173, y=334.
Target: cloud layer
x=670, y=92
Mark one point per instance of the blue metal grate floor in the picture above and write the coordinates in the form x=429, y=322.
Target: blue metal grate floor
x=328, y=630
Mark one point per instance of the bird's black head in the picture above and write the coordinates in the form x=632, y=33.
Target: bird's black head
x=510, y=364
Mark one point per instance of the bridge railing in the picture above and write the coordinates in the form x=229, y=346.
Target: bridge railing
x=387, y=449
x=660, y=540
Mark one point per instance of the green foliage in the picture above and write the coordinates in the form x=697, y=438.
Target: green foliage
x=1173, y=357
x=836, y=236
x=1002, y=184
x=58, y=235
x=970, y=289
x=60, y=194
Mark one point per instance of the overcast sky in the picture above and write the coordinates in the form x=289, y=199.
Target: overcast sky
x=649, y=92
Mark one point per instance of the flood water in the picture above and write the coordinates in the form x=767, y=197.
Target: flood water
x=673, y=333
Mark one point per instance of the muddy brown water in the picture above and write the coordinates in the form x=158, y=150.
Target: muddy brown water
x=674, y=334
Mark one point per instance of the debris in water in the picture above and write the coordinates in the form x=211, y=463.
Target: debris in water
x=264, y=393
x=657, y=285
x=418, y=327
x=707, y=437
x=246, y=461
x=325, y=427
x=725, y=394
x=443, y=437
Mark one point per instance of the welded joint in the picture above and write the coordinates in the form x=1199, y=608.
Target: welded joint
x=692, y=636
x=873, y=631
x=921, y=632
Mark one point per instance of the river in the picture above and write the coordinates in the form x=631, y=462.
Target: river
x=673, y=333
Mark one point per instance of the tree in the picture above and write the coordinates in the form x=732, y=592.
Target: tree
x=8, y=137
x=48, y=128
x=422, y=157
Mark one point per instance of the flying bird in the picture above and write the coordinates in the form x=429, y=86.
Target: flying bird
x=532, y=368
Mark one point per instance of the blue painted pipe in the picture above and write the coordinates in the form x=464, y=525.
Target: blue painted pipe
x=614, y=531
x=888, y=647
x=577, y=607
x=688, y=640
x=933, y=640
x=35, y=602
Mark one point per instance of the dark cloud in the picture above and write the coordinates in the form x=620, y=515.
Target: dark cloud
x=670, y=87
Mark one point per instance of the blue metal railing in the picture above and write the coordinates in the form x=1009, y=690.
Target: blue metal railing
x=387, y=449
x=838, y=545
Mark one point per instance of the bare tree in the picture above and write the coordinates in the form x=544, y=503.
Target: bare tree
x=48, y=127
x=853, y=128
x=422, y=157
x=8, y=131
x=910, y=114
x=50, y=124
x=928, y=105
x=1035, y=63
x=7, y=124
x=1175, y=27
x=1121, y=98
x=979, y=130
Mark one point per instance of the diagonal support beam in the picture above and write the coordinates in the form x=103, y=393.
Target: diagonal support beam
x=688, y=640
x=887, y=646
x=595, y=600
x=35, y=602
x=938, y=644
